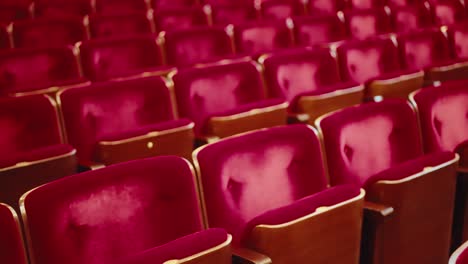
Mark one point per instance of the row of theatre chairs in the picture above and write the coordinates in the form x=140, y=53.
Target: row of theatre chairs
x=245, y=10
x=408, y=60
x=376, y=182
x=308, y=30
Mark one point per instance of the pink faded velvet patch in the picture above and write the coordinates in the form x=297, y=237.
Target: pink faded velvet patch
x=108, y=214
x=180, y=18
x=11, y=243
x=310, y=31
x=180, y=248
x=119, y=25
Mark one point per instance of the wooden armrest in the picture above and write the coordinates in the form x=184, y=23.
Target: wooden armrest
x=398, y=87
x=85, y=166
x=224, y=126
x=298, y=118
x=247, y=256
x=455, y=71
x=377, y=211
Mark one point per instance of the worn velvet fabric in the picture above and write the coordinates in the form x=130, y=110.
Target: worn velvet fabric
x=281, y=9
x=233, y=13
x=61, y=8
x=362, y=61
x=363, y=24
x=116, y=25
x=180, y=248
x=48, y=32
x=24, y=70
x=13, y=11
x=411, y=17
x=218, y=90
x=260, y=37
x=245, y=176
x=364, y=140
x=366, y=4
x=107, y=58
x=458, y=36
x=317, y=7
x=179, y=18
x=11, y=242
x=28, y=125
x=156, y=4
x=443, y=113
x=447, y=12
x=4, y=38
x=120, y=6
x=105, y=215
x=196, y=45
x=114, y=110
x=311, y=31
x=424, y=49
x=293, y=73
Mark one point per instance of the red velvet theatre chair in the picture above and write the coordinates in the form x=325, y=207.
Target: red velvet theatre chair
x=121, y=6
x=104, y=59
x=107, y=215
x=320, y=7
x=62, y=8
x=225, y=99
x=33, y=150
x=13, y=11
x=115, y=25
x=430, y=50
x=443, y=117
x=366, y=4
x=310, y=81
x=42, y=70
x=376, y=63
x=364, y=24
x=233, y=13
x=185, y=47
x=458, y=37
x=409, y=195
x=281, y=9
x=180, y=18
x=156, y=4
x=11, y=240
x=460, y=256
x=269, y=189
x=117, y=121
x=447, y=12
x=411, y=17
x=318, y=30
x=48, y=32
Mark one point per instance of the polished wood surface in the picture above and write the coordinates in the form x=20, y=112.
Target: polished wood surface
x=457, y=71
x=419, y=230
x=399, y=87
x=219, y=255
x=332, y=236
x=247, y=256
x=178, y=142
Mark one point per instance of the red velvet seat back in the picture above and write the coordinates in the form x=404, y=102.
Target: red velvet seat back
x=31, y=69
x=458, y=36
x=48, y=32
x=105, y=215
x=443, y=113
x=172, y=3
x=233, y=13
x=179, y=18
x=4, y=38
x=260, y=37
x=363, y=24
x=110, y=58
x=326, y=7
x=196, y=45
x=204, y=92
x=27, y=123
x=245, y=176
x=11, y=241
x=120, y=6
x=411, y=18
x=13, y=11
x=120, y=24
x=310, y=31
x=102, y=110
x=423, y=49
x=281, y=9
x=366, y=4
x=364, y=140
x=361, y=61
x=62, y=8
x=448, y=12
x=289, y=74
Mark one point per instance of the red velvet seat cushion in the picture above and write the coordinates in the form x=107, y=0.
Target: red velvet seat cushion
x=326, y=7
x=23, y=70
x=27, y=124
x=115, y=25
x=105, y=215
x=315, y=30
x=218, y=90
x=367, y=4
x=233, y=13
x=411, y=17
x=362, y=61
x=114, y=108
x=181, y=248
x=36, y=155
x=260, y=37
x=281, y=9
x=60, y=8
x=179, y=18
x=448, y=12
x=364, y=140
x=443, y=115
x=410, y=167
x=49, y=32
x=11, y=242
x=120, y=6
x=245, y=176
x=302, y=207
x=104, y=59
x=366, y=23
x=458, y=35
